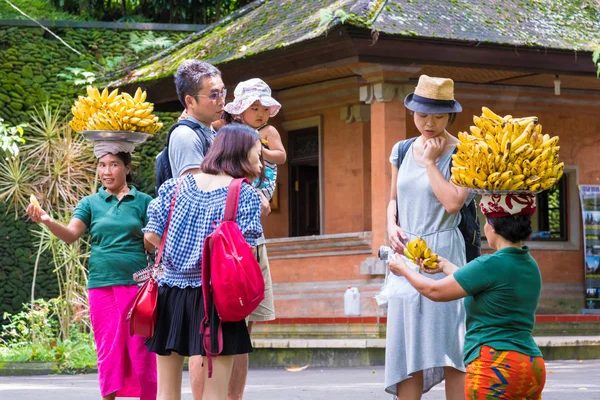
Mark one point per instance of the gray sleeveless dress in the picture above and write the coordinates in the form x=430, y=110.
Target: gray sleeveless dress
x=423, y=335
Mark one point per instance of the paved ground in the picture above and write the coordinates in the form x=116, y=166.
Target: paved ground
x=570, y=380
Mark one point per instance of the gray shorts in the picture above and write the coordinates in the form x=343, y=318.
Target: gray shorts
x=266, y=309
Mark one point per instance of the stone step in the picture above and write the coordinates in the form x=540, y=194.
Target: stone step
x=375, y=327
x=344, y=353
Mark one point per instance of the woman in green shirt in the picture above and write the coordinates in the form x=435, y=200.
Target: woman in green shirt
x=114, y=218
x=501, y=293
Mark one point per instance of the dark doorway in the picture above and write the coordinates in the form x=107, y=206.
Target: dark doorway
x=305, y=210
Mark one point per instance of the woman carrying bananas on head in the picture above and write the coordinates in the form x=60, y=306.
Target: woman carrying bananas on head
x=501, y=292
x=424, y=342
x=114, y=218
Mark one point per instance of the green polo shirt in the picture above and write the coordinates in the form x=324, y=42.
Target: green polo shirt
x=117, y=240
x=504, y=290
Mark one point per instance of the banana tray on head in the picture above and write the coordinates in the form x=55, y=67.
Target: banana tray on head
x=114, y=112
x=127, y=136
x=506, y=155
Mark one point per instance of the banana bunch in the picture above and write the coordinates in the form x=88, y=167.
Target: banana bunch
x=114, y=111
x=417, y=248
x=506, y=153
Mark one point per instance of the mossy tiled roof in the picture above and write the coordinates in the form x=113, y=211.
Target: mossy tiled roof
x=272, y=24
x=553, y=24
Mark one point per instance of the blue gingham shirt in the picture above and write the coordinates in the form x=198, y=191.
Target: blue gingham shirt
x=193, y=215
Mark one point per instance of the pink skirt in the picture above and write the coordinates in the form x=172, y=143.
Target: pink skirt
x=125, y=366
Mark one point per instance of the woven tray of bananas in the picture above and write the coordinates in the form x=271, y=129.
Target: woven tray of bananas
x=114, y=116
x=504, y=155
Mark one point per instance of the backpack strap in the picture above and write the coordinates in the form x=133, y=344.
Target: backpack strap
x=207, y=300
x=233, y=198
x=403, y=147
x=193, y=126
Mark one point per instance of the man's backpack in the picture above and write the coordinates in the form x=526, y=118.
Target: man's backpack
x=231, y=275
x=469, y=222
x=163, y=166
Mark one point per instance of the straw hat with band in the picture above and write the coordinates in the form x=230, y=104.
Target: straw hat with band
x=433, y=96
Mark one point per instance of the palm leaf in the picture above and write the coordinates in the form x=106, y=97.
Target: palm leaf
x=16, y=181
x=43, y=133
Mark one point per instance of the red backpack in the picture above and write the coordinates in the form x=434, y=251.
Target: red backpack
x=231, y=276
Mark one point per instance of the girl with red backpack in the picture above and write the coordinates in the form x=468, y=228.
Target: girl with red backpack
x=199, y=202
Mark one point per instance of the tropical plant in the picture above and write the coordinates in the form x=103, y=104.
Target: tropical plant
x=10, y=139
x=141, y=42
x=57, y=166
x=33, y=334
x=78, y=76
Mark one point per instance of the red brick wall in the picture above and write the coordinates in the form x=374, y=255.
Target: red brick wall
x=348, y=199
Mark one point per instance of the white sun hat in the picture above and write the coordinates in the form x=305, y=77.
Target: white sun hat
x=247, y=92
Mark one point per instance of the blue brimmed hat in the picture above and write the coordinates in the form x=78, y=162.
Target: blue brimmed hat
x=433, y=96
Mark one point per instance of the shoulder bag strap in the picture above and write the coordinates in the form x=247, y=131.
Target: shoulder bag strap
x=164, y=236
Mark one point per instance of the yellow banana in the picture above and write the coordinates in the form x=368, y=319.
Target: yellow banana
x=143, y=113
x=138, y=95
x=548, y=183
x=478, y=122
x=535, y=187
x=427, y=253
x=550, y=143
x=112, y=96
x=479, y=184
x=491, y=142
x=475, y=131
x=104, y=95
x=532, y=180
x=523, y=138
x=408, y=254
x=144, y=122
x=522, y=149
x=490, y=114
x=34, y=202
x=517, y=185
x=518, y=178
x=493, y=177
x=507, y=184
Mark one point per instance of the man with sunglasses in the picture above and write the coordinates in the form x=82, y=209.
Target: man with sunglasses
x=201, y=91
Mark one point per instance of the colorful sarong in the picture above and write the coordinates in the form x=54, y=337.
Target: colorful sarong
x=125, y=365
x=507, y=375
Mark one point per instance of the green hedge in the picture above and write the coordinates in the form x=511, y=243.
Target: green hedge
x=30, y=61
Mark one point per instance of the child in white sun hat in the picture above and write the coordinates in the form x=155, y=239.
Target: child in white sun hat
x=253, y=106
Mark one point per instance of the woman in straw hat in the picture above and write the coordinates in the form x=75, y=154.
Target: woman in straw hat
x=425, y=339
x=501, y=292
x=114, y=218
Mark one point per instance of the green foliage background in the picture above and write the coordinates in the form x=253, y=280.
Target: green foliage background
x=166, y=11
x=30, y=61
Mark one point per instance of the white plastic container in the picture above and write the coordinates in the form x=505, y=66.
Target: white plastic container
x=352, y=301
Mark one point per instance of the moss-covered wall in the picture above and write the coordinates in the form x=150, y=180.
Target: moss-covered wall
x=30, y=61
x=18, y=248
